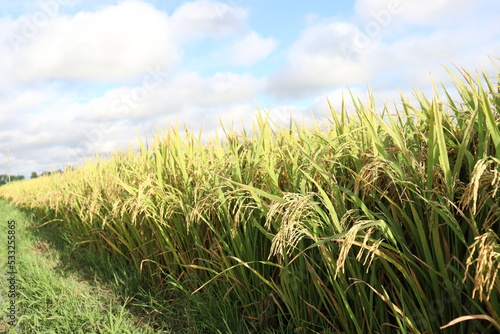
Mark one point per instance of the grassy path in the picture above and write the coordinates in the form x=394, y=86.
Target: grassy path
x=59, y=293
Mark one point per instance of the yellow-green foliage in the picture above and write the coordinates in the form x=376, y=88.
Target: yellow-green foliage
x=375, y=222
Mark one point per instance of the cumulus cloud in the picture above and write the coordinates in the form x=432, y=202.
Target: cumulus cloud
x=116, y=42
x=382, y=48
x=418, y=12
x=251, y=48
x=320, y=58
x=418, y=59
x=207, y=18
x=187, y=90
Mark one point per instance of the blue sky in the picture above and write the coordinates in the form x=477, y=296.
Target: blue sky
x=81, y=77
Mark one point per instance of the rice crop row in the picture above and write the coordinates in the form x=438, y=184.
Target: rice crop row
x=373, y=222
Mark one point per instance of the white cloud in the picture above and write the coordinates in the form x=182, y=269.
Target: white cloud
x=419, y=12
x=319, y=59
x=186, y=91
x=21, y=101
x=117, y=42
x=207, y=18
x=381, y=51
x=418, y=59
x=251, y=48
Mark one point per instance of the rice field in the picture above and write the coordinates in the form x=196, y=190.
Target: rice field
x=376, y=221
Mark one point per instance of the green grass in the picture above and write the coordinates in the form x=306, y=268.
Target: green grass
x=376, y=221
x=63, y=292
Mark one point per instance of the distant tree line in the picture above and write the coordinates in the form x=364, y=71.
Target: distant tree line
x=34, y=175
x=4, y=178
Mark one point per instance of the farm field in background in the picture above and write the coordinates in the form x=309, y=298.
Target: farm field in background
x=377, y=222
